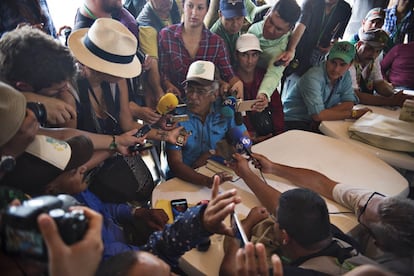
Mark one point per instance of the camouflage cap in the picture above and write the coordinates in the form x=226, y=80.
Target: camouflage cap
x=376, y=38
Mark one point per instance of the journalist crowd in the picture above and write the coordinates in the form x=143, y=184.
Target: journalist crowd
x=84, y=106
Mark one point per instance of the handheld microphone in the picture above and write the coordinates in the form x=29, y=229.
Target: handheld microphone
x=242, y=143
x=167, y=103
x=229, y=109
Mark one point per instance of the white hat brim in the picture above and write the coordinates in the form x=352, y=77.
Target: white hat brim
x=86, y=57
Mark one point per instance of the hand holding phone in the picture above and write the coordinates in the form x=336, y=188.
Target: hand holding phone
x=140, y=133
x=178, y=206
x=238, y=230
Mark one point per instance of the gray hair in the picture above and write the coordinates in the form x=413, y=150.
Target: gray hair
x=395, y=230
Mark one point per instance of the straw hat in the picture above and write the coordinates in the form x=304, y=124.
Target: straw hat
x=12, y=112
x=107, y=47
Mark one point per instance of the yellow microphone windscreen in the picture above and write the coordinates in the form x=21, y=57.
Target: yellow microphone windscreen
x=167, y=103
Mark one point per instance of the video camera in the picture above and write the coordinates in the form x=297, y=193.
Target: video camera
x=20, y=234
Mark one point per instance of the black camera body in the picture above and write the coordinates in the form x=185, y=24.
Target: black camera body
x=19, y=231
x=39, y=111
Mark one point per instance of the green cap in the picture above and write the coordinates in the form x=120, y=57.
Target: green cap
x=342, y=50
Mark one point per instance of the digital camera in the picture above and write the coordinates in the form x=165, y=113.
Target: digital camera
x=39, y=111
x=20, y=234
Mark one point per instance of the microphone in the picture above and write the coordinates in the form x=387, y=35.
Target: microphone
x=167, y=103
x=229, y=109
x=242, y=143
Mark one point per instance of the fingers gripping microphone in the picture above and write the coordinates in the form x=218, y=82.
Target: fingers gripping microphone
x=242, y=143
x=167, y=103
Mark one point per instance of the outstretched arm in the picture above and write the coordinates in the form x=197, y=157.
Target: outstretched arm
x=305, y=178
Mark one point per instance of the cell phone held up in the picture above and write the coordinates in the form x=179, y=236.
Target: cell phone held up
x=140, y=133
x=238, y=230
x=178, y=206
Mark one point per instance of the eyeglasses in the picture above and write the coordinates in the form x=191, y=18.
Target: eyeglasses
x=366, y=205
x=197, y=90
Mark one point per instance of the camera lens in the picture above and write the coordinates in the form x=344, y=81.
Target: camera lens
x=39, y=111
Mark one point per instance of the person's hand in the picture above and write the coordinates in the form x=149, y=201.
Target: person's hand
x=262, y=162
x=238, y=88
x=239, y=165
x=255, y=215
x=220, y=206
x=154, y=218
x=171, y=88
x=164, y=122
x=24, y=136
x=223, y=177
x=147, y=63
x=251, y=261
x=360, y=112
x=286, y=57
x=224, y=88
x=78, y=259
x=58, y=112
x=147, y=114
x=399, y=98
x=263, y=102
x=178, y=132
x=127, y=139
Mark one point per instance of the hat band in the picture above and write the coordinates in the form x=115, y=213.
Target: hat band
x=106, y=55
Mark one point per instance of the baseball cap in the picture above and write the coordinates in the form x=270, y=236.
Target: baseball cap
x=342, y=50
x=201, y=72
x=375, y=13
x=12, y=112
x=44, y=160
x=376, y=38
x=232, y=8
x=248, y=42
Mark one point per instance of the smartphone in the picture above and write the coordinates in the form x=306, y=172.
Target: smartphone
x=178, y=206
x=278, y=63
x=238, y=230
x=142, y=131
x=246, y=105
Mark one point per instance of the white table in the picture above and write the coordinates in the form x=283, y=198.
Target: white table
x=332, y=157
x=339, y=130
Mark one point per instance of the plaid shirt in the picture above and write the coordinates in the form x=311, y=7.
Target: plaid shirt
x=398, y=31
x=175, y=60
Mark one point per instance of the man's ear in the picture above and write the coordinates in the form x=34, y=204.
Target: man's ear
x=23, y=86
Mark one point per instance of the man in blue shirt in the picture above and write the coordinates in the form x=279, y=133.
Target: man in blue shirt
x=323, y=92
x=207, y=124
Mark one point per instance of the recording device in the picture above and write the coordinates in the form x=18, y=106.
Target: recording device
x=246, y=105
x=167, y=103
x=140, y=133
x=278, y=63
x=229, y=108
x=178, y=118
x=39, y=111
x=178, y=206
x=19, y=231
x=238, y=230
x=241, y=143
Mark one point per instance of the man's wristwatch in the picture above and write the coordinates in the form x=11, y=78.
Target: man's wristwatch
x=7, y=163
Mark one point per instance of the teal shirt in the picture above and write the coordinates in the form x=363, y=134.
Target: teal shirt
x=313, y=93
x=271, y=50
x=229, y=39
